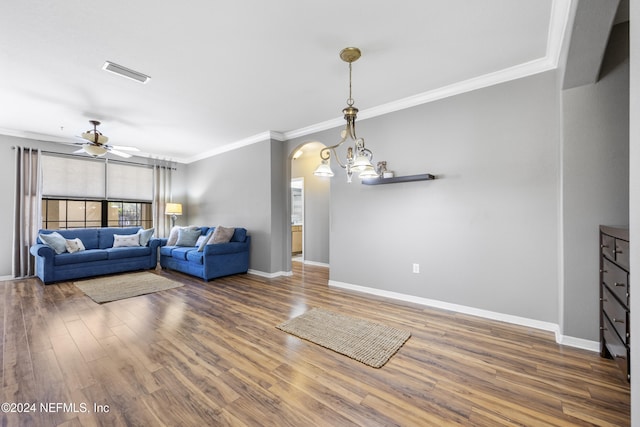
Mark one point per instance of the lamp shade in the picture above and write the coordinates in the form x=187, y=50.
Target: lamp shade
x=362, y=163
x=173, y=209
x=94, y=150
x=323, y=169
x=368, y=172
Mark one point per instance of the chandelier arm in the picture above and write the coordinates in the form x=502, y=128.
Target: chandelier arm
x=333, y=149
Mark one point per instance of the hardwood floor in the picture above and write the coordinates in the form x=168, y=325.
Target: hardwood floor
x=209, y=354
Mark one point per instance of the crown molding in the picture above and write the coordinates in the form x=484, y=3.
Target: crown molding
x=558, y=21
x=264, y=136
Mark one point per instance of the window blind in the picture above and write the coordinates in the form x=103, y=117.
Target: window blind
x=72, y=177
x=129, y=182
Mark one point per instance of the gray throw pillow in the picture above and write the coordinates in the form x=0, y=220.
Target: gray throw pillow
x=188, y=236
x=145, y=236
x=222, y=235
x=55, y=240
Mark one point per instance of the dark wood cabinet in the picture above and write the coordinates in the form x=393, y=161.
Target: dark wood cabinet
x=614, y=296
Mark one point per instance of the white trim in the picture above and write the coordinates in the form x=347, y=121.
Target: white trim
x=264, y=136
x=579, y=343
x=516, y=320
x=316, y=263
x=270, y=275
x=5, y=278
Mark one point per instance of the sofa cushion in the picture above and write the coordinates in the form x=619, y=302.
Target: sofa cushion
x=80, y=257
x=127, y=241
x=239, y=235
x=173, y=236
x=195, y=256
x=57, y=242
x=204, y=240
x=128, y=252
x=221, y=235
x=89, y=236
x=105, y=235
x=166, y=250
x=180, y=252
x=74, y=245
x=145, y=236
x=188, y=236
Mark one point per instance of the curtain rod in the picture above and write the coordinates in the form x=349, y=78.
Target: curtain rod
x=94, y=159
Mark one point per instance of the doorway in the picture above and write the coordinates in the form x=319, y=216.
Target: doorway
x=297, y=219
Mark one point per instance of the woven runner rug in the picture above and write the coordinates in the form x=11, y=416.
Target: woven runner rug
x=112, y=288
x=370, y=343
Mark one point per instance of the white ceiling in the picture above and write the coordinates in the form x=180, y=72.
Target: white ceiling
x=224, y=73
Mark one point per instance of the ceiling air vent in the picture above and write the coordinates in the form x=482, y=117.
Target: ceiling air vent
x=125, y=72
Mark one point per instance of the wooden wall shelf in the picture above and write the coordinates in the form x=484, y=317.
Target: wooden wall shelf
x=395, y=179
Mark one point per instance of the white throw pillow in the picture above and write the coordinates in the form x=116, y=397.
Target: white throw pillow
x=128, y=240
x=55, y=241
x=74, y=245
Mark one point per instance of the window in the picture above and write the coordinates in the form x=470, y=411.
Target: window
x=83, y=192
x=66, y=213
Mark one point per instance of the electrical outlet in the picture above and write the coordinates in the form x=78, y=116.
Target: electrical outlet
x=416, y=268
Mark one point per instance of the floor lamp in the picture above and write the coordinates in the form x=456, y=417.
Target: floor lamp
x=173, y=209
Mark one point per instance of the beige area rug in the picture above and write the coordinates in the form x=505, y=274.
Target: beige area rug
x=370, y=343
x=112, y=288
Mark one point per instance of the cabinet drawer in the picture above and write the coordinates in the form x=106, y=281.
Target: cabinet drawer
x=615, y=347
x=607, y=245
x=617, y=314
x=622, y=253
x=617, y=280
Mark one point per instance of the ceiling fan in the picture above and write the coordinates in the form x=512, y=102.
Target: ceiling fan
x=95, y=143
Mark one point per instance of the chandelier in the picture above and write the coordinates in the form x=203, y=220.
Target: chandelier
x=358, y=158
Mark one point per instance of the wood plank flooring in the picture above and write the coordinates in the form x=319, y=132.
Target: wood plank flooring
x=208, y=354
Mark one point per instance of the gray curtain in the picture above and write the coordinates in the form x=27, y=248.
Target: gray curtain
x=27, y=206
x=161, y=195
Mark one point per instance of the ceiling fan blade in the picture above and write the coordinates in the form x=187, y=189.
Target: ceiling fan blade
x=125, y=148
x=120, y=153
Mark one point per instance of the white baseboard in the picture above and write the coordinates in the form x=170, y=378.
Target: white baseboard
x=3, y=278
x=579, y=343
x=516, y=320
x=270, y=275
x=318, y=264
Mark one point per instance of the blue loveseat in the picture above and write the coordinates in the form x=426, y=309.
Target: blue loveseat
x=214, y=260
x=98, y=258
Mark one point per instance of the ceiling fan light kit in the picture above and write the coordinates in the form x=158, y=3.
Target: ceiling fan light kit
x=97, y=143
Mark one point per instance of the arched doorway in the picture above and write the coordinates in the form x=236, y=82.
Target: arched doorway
x=309, y=206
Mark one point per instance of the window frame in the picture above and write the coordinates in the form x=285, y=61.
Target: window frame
x=104, y=221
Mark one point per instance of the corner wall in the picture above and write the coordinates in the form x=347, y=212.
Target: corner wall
x=595, y=171
x=243, y=188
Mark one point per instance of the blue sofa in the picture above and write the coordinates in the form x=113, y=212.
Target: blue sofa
x=215, y=260
x=98, y=258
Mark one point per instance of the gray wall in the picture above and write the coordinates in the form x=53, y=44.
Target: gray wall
x=316, y=203
x=485, y=232
x=245, y=188
x=595, y=181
